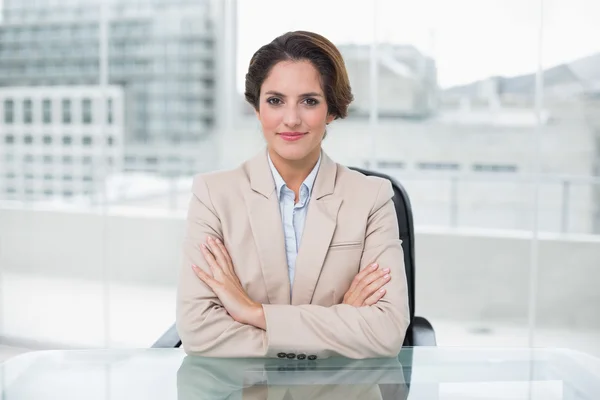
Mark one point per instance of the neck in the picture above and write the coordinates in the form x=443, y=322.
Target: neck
x=294, y=172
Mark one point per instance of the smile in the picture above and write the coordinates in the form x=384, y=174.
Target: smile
x=291, y=136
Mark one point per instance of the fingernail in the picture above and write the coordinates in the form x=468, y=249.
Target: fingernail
x=194, y=266
x=374, y=266
x=217, y=240
x=382, y=290
x=386, y=277
x=203, y=246
x=386, y=270
x=210, y=238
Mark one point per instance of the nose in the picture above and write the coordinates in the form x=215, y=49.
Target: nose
x=291, y=117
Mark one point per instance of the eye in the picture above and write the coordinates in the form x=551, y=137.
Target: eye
x=311, y=102
x=274, y=101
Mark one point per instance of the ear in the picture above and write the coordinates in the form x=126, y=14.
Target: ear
x=330, y=118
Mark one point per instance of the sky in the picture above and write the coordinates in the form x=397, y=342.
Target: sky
x=470, y=39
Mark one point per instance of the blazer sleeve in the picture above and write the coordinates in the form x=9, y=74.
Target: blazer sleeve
x=203, y=324
x=344, y=330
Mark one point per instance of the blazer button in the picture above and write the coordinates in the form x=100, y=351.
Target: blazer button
x=281, y=355
x=301, y=356
x=312, y=357
x=291, y=355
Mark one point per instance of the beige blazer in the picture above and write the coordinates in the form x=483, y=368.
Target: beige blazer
x=350, y=223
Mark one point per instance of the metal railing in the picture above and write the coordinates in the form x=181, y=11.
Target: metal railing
x=569, y=204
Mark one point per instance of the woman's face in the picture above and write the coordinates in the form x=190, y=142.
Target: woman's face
x=292, y=111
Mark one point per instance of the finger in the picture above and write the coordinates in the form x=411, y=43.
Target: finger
x=363, y=290
x=216, y=270
x=225, y=254
x=218, y=254
x=374, y=298
x=372, y=277
x=361, y=275
x=204, y=277
x=375, y=286
x=374, y=283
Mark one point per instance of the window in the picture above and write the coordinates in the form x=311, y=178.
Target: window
x=47, y=139
x=48, y=192
x=87, y=178
x=29, y=176
x=390, y=164
x=110, y=140
x=28, y=158
x=48, y=177
x=68, y=193
x=47, y=159
x=67, y=178
x=86, y=108
x=9, y=111
x=438, y=166
x=28, y=139
x=87, y=141
x=27, y=111
x=67, y=140
x=66, y=111
x=494, y=168
x=9, y=139
x=47, y=111
x=109, y=116
x=86, y=160
x=67, y=159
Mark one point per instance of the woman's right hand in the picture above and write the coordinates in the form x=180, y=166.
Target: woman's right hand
x=367, y=286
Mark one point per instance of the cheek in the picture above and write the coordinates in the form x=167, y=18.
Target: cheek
x=315, y=117
x=270, y=119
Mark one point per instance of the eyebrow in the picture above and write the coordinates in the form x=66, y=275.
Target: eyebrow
x=310, y=94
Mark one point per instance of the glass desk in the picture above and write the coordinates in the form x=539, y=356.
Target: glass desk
x=418, y=373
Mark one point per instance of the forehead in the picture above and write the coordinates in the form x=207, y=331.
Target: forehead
x=293, y=78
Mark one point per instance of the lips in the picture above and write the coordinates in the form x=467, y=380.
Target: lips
x=291, y=136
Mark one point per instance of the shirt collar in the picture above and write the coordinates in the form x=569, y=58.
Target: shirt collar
x=308, y=182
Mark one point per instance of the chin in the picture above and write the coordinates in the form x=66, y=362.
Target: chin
x=292, y=153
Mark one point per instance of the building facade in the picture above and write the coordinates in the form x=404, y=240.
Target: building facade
x=59, y=142
x=160, y=52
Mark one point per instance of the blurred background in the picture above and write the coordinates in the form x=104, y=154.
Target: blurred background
x=487, y=111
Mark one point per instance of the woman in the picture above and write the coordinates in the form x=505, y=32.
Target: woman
x=247, y=287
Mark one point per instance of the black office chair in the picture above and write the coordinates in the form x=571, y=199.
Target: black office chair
x=420, y=332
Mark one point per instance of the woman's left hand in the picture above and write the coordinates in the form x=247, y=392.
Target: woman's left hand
x=226, y=285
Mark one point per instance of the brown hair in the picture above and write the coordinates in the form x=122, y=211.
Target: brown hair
x=299, y=46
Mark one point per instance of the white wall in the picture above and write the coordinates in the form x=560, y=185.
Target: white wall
x=53, y=265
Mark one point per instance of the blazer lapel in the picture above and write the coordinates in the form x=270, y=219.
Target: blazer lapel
x=266, y=225
x=321, y=220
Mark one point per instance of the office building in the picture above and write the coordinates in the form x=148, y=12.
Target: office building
x=160, y=52
x=407, y=81
x=59, y=142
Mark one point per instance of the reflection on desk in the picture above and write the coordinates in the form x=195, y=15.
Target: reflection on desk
x=257, y=379
x=417, y=374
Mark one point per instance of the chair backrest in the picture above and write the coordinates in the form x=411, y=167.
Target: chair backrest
x=407, y=231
